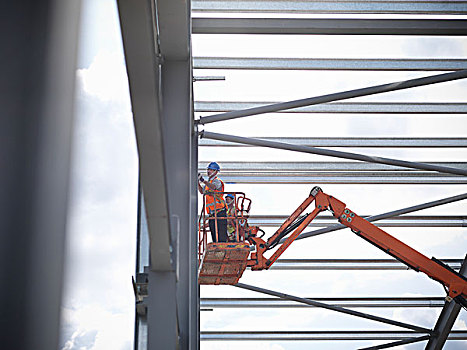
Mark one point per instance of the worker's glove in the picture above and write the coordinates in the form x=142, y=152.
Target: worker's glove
x=200, y=178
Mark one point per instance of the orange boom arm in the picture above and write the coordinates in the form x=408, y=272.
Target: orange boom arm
x=455, y=283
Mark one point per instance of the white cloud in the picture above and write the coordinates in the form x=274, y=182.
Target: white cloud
x=105, y=77
x=96, y=328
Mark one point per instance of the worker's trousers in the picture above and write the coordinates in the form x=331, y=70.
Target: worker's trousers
x=221, y=226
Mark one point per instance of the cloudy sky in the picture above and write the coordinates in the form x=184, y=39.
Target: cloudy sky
x=98, y=303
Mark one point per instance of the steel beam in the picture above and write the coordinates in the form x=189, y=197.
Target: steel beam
x=331, y=172
x=349, y=264
x=360, y=142
x=139, y=34
x=319, y=335
x=329, y=26
x=163, y=324
x=426, y=7
x=333, y=308
x=377, y=89
x=332, y=153
x=208, y=78
x=427, y=302
x=177, y=128
x=326, y=177
x=372, y=64
x=156, y=38
x=446, y=320
x=232, y=167
x=397, y=221
x=342, y=107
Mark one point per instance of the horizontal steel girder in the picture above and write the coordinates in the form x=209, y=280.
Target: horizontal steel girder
x=400, y=221
x=232, y=167
x=389, y=142
x=373, y=64
x=332, y=153
x=331, y=172
x=332, y=307
x=350, y=178
x=332, y=6
x=388, y=302
x=337, y=96
x=342, y=107
x=349, y=264
x=329, y=26
x=321, y=335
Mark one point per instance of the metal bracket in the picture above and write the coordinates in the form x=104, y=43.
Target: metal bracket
x=159, y=59
x=140, y=288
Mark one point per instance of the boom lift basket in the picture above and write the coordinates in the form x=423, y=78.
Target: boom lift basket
x=224, y=262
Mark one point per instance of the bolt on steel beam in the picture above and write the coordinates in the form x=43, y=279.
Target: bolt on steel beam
x=332, y=307
x=372, y=90
x=332, y=153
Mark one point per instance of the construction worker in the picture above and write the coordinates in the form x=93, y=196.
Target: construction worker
x=215, y=204
x=230, y=201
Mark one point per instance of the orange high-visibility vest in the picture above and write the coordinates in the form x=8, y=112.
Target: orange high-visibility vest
x=214, y=198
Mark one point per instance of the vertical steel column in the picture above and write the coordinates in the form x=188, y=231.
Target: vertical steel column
x=38, y=62
x=163, y=330
x=177, y=132
x=157, y=48
x=195, y=292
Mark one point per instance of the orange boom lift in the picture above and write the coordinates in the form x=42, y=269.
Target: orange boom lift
x=224, y=263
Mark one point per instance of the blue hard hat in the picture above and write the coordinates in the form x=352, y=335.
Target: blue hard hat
x=230, y=196
x=214, y=166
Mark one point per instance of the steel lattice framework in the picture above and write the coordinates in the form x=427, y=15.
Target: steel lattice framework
x=369, y=170
x=172, y=127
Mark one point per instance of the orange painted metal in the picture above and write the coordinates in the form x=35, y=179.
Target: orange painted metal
x=455, y=284
x=301, y=208
x=223, y=263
